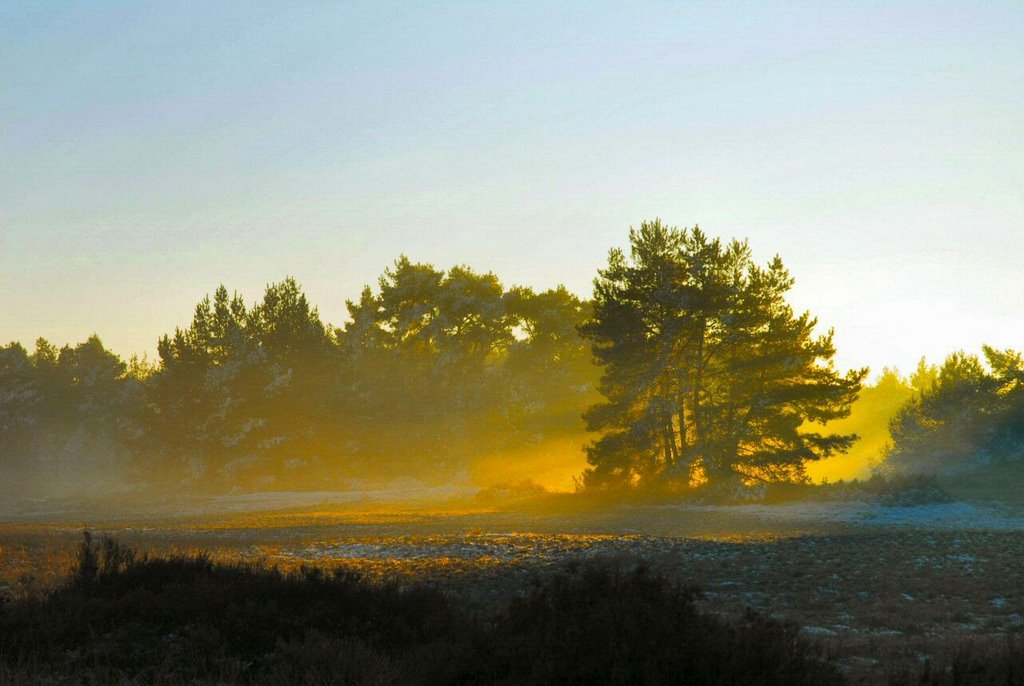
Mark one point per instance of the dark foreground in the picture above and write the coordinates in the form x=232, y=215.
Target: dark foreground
x=891, y=593
x=124, y=618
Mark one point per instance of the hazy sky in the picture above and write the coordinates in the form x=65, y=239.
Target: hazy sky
x=150, y=151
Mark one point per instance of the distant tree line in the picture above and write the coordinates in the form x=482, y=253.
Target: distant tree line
x=966, y=415
x=434, y=368
x=688, y=365
x=66, y=416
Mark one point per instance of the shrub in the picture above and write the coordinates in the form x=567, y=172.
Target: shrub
x=125, y=617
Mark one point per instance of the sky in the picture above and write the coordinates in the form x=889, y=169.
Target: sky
x=151, y=151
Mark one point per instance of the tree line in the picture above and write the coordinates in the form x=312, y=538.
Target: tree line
x=688, y=366
x=968, y=414
x=433, y=368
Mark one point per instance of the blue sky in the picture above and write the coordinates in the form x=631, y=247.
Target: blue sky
x=153, y=150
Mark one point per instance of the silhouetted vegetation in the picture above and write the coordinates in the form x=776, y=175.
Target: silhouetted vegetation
x=898, y=490
x=124, y=616
x=708, y=373
x=969, y=416
x=434, y=370
x=707, y=376
x=600, y=627
x=68, y=416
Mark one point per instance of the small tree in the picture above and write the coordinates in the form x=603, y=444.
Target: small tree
x=708, y=372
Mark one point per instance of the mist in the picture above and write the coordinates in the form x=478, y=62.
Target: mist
x=462, y=434
x=442, y=384
x=438, y=378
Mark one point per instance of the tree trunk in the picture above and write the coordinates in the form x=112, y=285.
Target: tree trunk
x=698, y=388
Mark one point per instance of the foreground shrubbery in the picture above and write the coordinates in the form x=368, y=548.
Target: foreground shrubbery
x=123, y=617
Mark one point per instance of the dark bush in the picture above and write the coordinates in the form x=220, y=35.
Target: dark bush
x=603, y=626
x=124, y=617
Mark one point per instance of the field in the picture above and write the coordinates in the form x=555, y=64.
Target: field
x=884, y=589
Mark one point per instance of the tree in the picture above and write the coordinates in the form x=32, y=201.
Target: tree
x=436, y=370
x=448, y=366
x=550, y=371
x=241, y=394
x=20, y=400
x=707, y=371
x=66, y=416
x=967, y=414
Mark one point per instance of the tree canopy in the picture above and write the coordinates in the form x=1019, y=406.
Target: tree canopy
x=967, y=414
x=448, y=365
x=688, y=366
x=435, y=370
x=707, y=371
x=66, y=416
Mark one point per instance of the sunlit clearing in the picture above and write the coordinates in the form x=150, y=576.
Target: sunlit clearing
x=553, y=464
x=869, y=419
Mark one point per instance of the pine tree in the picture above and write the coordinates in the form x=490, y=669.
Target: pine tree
x=968, y=414
x=708, y=372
